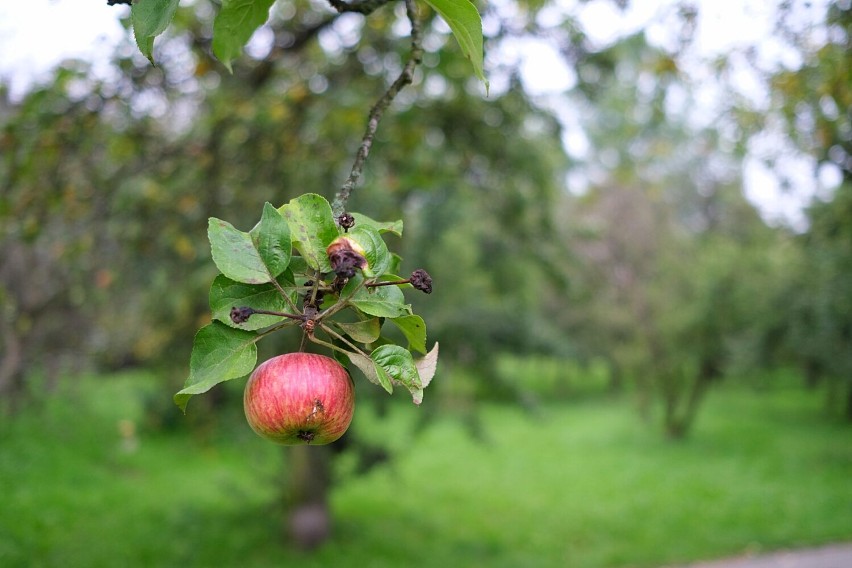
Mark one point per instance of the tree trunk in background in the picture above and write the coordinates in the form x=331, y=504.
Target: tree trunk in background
x=11, y=363
x=813, y=373
x=677, y=425
x=308, y=517
x=616, y=377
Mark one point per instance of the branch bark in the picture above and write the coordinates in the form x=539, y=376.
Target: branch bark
x=405, y=77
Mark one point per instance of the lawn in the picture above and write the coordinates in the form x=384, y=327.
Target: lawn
x=583, y=484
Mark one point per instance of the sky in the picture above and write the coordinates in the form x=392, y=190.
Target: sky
x=36, y=35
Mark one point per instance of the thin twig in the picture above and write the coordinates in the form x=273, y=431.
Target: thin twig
x=406, y=76
x=285, y=295
x=339, y=337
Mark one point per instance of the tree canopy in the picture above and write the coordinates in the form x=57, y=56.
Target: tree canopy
x=656, y=262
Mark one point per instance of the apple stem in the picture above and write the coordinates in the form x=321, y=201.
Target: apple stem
x=284, y=294
x=330, y=345
x=282, y=314
x=336, y=335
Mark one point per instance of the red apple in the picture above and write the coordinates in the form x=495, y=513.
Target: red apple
x=299, y=398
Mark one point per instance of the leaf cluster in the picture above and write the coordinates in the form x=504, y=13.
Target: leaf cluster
x=281, y=266
x=237, y=20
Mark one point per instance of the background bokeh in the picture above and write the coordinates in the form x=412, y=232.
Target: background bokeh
x=646, y=350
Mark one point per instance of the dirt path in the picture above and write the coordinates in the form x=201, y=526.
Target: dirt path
x=830, y=556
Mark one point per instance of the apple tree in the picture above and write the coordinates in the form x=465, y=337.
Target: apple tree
x=310, y=265
x=333, y=269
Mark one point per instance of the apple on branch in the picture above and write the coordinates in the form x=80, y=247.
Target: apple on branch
x=299, y=398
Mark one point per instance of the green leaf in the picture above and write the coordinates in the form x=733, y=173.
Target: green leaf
x=366, y=331
x=226, y=294
x=414, y=329
x=312, y=228
x=150, y=18
x=219, y=353
x=399, y=365
x=375, y=250
x=463, y=19
x=236, y=253
x=271, y=239
x=234, y=25
x=394, y=227
x=383, y=302
x=298, y=265
x=395, y=265
x=340, y=357
x=373, y=372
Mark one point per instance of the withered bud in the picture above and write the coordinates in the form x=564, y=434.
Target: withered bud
x=241, y=315
x=346, y=221
x=421, y=280
x=346, y=256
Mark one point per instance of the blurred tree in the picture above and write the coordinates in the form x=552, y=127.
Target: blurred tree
x=678, y=265
x=108, y=185
x=811, y=105
x=156, y=151
x=821, y=315
x=661, y=267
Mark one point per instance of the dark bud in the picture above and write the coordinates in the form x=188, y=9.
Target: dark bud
x=241, y=315
x=421, y=280
x=345, y=257
x=346, y=221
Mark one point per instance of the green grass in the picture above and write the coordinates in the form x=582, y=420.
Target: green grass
x=572, y=485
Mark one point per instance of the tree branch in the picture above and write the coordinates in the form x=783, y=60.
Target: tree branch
x=406, y=76
x=364, y=7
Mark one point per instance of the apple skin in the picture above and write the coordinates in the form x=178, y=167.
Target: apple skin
x=299, y=398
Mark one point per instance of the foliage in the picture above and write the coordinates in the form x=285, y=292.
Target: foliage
x=101, y=228
x=813, y=100
x=159, y=151
x=653, y=273
x=250, y=263
x=237, y=20
x=821, y=318
x=811, y=106
x=675, y=265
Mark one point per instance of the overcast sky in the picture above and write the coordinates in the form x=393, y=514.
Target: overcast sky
x=37, y=34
